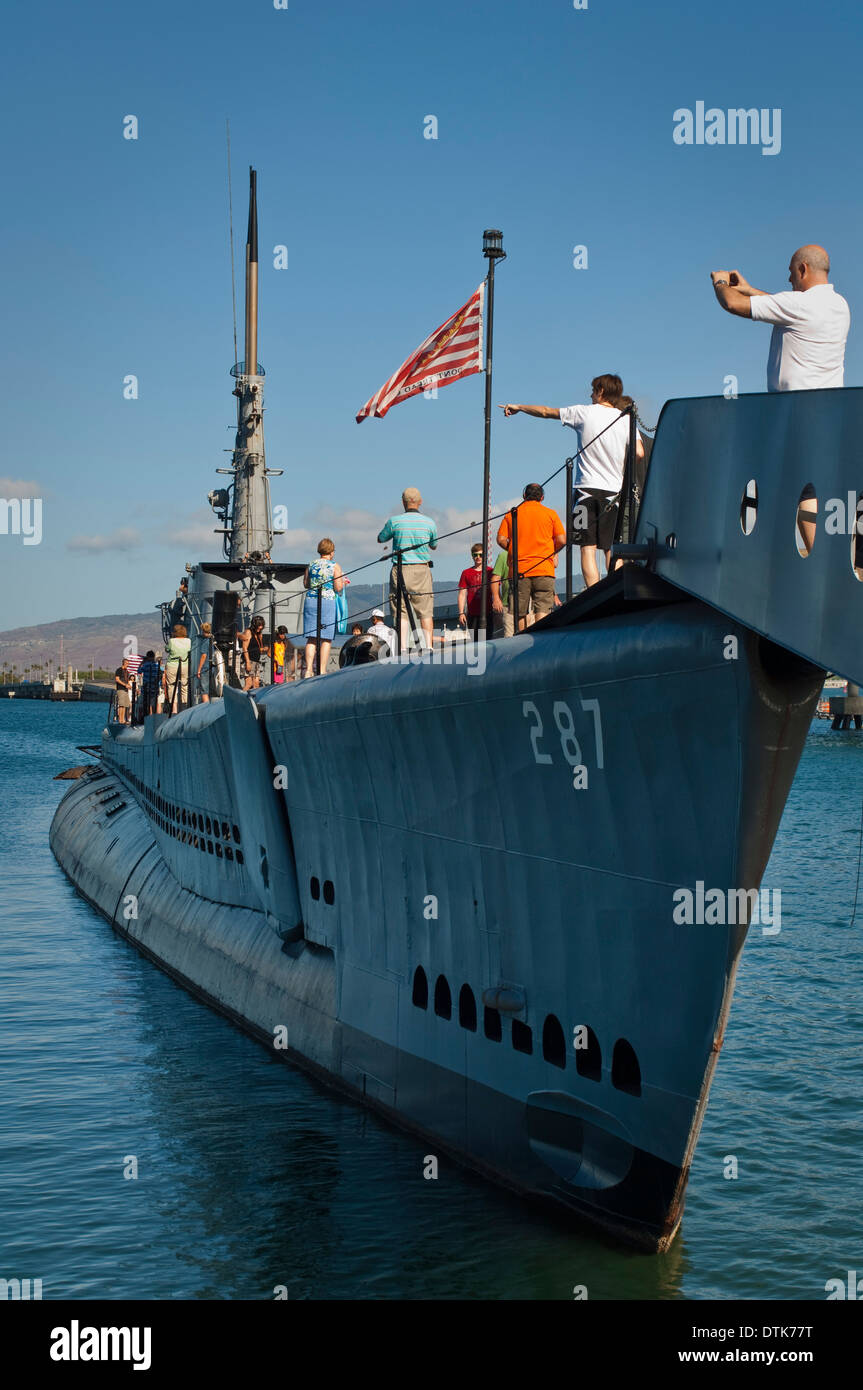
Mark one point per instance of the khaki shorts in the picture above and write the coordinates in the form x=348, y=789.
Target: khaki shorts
x=540, y=588
x=418, y=583
x=124, y=699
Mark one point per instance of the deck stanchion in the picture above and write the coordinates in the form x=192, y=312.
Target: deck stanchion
x=399, y=582
x=568, y=515
x=513, y=544
x=318, y=633
x=630, y=500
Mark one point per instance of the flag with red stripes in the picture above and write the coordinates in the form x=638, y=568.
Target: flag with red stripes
x=454, y=350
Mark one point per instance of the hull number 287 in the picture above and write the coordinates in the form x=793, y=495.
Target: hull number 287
x=570, y=747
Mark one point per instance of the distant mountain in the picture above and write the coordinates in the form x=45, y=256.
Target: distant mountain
x=103, y=640
x=100, y=640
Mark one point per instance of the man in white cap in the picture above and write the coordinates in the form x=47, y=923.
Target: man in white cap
x=379, y=628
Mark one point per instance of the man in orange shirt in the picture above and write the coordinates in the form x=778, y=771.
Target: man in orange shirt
x=541, y=535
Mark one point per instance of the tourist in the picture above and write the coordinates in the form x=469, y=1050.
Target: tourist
x=541, y=535
x=414, y=535
x=123, y=689
x=217, y=673
x=602, y=439
x=470, y=594
x=322, y=577
x=205, y=663
x=357, y=630
x=253, y=645
x=150, y=676
x=807, y=346
x=378, y=628
x=284, y=657
x=180, y=606
x=625, y=404
x=134, y=662
x=175, y=679
x=810, y=321
x=502, y=615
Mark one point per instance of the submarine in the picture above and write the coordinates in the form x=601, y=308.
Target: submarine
x=450, y=890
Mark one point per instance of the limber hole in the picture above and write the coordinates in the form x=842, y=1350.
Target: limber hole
x=805, y=521
x=749, y=507
x=857, y=540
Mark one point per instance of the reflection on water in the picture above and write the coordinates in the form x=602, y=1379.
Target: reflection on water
x=252, y=1175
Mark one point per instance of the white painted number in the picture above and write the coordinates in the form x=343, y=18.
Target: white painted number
x=528, y=708
x=593, y=707
x=568, y=742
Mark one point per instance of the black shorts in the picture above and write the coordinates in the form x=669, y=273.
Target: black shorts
x=598, y=511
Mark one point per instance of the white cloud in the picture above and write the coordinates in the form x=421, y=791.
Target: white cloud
x=125, y=538
x=19, y=487
x=354, y=530
x=294, y=543
x=196, y=534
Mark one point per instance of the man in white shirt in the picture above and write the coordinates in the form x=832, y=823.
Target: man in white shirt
x=379, y=628
x=810, y=321
x=807, y=346
x=602, y=439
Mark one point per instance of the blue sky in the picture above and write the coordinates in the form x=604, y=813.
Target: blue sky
x=554, y=124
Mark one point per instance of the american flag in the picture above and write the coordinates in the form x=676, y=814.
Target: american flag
x=454, y=350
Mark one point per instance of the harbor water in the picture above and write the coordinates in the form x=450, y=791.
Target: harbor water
x=151, y=1150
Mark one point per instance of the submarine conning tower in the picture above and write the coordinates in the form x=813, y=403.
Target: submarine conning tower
x=246, y=569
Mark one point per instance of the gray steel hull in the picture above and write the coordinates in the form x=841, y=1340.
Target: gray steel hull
x=432, y=827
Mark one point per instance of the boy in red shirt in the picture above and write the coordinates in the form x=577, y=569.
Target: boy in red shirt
x=470, y=594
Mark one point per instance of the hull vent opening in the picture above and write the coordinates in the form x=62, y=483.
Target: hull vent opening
x=420, y=996
x=553, y=1042
x=588, y=1058
x=442, y=998
x=467, y=1008
x=625, y=1071
x=492, y=1024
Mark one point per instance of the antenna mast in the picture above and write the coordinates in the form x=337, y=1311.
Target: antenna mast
x=251, y=527
x=231, y=235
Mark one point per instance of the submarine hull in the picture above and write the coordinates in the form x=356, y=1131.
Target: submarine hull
x=452, y=890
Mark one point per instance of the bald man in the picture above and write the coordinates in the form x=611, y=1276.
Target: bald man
x=807, y=349
x=810, y=321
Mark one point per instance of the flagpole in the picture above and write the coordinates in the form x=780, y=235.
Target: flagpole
x=492, y=249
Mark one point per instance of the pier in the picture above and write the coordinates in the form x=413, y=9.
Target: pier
x=39, y=690
x=847, y=710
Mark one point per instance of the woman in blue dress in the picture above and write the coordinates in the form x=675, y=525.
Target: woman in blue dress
x=322, y=576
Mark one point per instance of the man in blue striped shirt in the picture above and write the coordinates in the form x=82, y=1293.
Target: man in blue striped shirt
x=415, y=536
